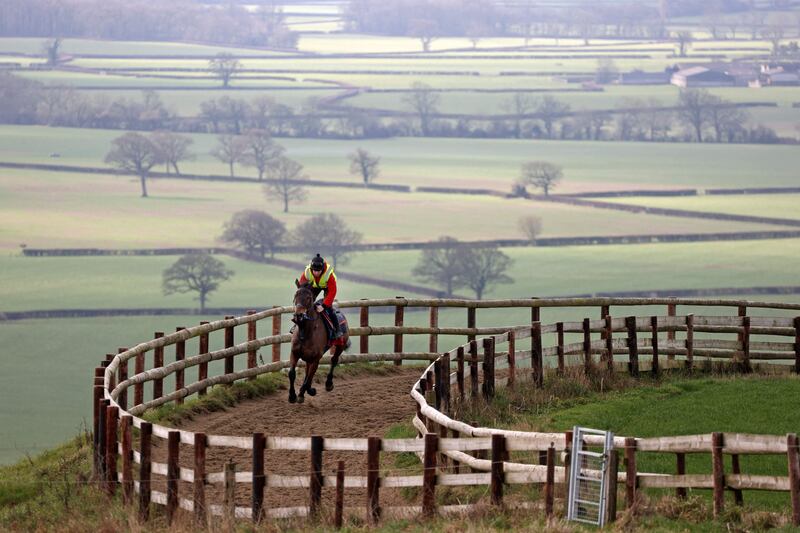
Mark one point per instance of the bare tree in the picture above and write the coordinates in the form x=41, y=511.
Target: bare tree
x=230, y=150
x=684, y=40
x=549, y=110
x=260, y=150
x=725, y=118
x=286, y=182
x=483, y=267
x=172, y=148
x=135, y=153
x=442, y=265
x=224, y=66
x=200, y=273
x=541, y=174
x=425, y=103
x=607, y=70
x=255, y=231
x=328, y=234
x=518, y=106
x=693, y=107
x=364, y=164
x=774, y=34
x=530, y=226
x=475, y=31
x=426, y=30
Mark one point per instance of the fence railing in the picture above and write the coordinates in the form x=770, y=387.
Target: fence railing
x=447, y=447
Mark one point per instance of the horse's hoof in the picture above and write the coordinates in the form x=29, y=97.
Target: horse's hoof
x=312, y=391
x=301, y=399
x=329, y=386
x=293, y=399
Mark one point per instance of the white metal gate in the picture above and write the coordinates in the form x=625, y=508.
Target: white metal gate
x=588, y=476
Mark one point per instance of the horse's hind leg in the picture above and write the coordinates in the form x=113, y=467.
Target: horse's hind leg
x=292, y=375
x=334, y=362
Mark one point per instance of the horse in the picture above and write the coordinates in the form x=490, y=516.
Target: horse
x=309, y=343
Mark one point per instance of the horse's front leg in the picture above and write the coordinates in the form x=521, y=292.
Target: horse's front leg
x=292, y=375
x=334, y=362
x=311, y=369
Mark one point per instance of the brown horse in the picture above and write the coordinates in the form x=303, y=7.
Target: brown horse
x=309, y=343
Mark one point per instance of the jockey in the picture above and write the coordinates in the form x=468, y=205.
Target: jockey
x=320, y=276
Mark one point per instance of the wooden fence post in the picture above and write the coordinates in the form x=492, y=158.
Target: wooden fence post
x=690, y=341
x=252, y=335
x=259, y=480
x=122, y=375
x=112, y=412
x=537, y=359
x=550, y=481
x=611, y=499
x=276, y=330
x=433, y=343
x=364, y=323
x=158, y=362
x=101, y=443
x=608, y=334
x=488, y=368
x=587, y=347
x=199, y=499
x=471, y=321
x=339, y=513
x=202, y=369
x=173, y=473
x=229, y=498
x=560, y=347
x=794, y=476
x=746, y=345
x=672, y=310
x=180, y=355
x=473, y=367
x=446, y=382
x=797, y=345
x=229, y=342
x=742, y=312
x=680, y=459
x=656, y=369
x=97, y=397
x=437, y=380
x=630, y=472
x=456, y=465
x=497, y=476
x=145, y=468
x=138, y=389
x=429, y=475
x=736, y=468
x=460, y=372
x=718, y=473
x=512, y=359
x=633, y=346
x=315, y=483
x=399, y=311
x=126, y=424
x=373, y=479
x=567, y=459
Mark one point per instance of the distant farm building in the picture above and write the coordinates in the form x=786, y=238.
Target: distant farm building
x=702, y=77
x=780, y=75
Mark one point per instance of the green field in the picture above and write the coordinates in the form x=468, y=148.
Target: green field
x=472, y=163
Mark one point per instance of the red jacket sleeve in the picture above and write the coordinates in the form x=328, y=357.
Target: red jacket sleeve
x=303, y=277
x=330, y=291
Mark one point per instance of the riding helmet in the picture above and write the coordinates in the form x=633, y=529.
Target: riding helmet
x=317, y=263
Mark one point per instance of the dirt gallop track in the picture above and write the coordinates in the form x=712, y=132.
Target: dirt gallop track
x=362, y=406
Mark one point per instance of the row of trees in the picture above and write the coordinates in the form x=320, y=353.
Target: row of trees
x=523, y=116
x=177, y=20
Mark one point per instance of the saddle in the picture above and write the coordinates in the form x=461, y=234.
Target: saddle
x=340, y=341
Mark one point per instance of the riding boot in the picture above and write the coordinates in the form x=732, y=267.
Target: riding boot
x=334, y=322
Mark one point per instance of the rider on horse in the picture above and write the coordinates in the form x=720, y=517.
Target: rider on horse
x=320, y=277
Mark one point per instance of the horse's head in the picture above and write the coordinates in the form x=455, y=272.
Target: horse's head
x=303, y=302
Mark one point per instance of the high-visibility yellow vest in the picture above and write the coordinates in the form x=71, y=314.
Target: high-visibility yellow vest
x=323, y=279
